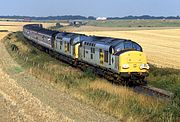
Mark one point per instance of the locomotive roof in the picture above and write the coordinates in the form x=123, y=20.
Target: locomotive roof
x=48, y=32
x=69, y=35
x=38, y=27
x=108, y=41
x=105, y=40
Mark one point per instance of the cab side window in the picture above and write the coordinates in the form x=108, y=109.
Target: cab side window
x=61, y=43
x=106, y=56
x=68, y=47
x=100, y=51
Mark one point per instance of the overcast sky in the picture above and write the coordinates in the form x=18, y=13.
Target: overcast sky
x=107, y=8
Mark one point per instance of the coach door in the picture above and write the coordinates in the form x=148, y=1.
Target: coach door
x=101, y=56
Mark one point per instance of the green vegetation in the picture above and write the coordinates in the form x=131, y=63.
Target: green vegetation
x=168, y=79
x=16, y=70
x=165, y=78
x=118, y=101
x=135, y=23
x=56, y=27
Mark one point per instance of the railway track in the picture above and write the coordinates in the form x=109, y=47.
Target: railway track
x=155, y=92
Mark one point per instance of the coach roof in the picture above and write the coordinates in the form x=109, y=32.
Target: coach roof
x=39, y=29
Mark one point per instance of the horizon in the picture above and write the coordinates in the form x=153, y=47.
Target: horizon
x=87, y=16
x=113, y=8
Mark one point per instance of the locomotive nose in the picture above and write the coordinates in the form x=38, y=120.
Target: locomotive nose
x=133, y=61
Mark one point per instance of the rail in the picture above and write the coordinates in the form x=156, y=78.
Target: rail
x=153, y=91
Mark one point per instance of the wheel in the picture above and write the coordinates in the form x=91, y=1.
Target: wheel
x=143, y=81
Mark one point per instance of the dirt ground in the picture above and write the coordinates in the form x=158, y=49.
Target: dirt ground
x=25, y=98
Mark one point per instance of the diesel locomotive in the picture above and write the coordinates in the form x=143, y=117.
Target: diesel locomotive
x=120, y=60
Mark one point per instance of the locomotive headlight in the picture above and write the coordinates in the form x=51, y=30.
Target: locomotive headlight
x=147, y=66
x=125, y=66
x=144, y=66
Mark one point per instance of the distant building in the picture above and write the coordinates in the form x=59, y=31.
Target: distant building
x=77, y=23
x=18, y=20
x=101, y=18
x=27, y=20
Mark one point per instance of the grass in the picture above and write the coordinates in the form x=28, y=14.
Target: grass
x=118, y=101
x=2, y=35
x=165, y=78
x=135, y=23
x=16, y=70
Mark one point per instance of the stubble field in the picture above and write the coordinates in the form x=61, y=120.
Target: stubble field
x=17, y=26
x=162, y=46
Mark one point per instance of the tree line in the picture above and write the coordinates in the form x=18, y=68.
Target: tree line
x=78, y=17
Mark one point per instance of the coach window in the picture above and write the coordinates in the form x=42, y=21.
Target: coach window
x=106, y=56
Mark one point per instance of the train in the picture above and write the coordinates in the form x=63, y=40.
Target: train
x=120, y=60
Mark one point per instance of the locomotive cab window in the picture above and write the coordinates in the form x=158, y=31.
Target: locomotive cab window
x=132, y=45
x=68, y=47
x=137, y=47
x=91, y=56
x=84, y=52
x=100, y=53
x=128, y=45
x=92, y=50
x=61, y=43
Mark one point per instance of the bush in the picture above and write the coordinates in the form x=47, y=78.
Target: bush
x=89, y=74
x=14, y=47
x=33, y=51
x=58, y=25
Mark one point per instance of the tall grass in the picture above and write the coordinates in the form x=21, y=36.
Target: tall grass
x=114, y=100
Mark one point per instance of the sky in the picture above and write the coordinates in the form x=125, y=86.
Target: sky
x=103, y=8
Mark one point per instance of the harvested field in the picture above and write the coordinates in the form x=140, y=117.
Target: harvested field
x=23, y=97
x=161, y=46
x=17, y=26
x=3, y=34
